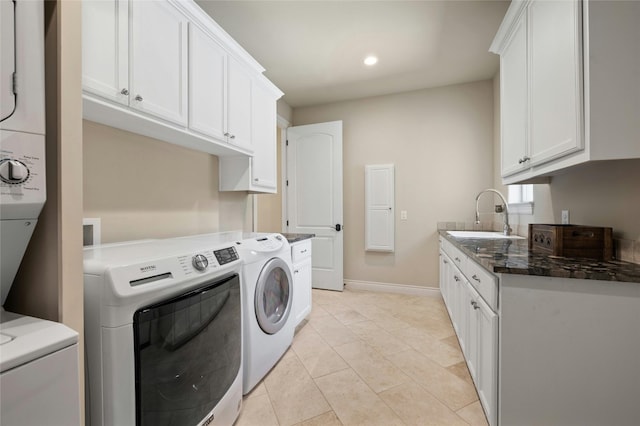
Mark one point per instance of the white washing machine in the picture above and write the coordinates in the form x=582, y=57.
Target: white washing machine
x=163, y=332
x=268, y=300
x=38, y=358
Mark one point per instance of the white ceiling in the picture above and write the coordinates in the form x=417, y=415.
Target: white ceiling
x=314, y=50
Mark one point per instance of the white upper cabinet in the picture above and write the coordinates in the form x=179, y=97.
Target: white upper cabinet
x=514, y=100
x=568, y=85
x=207, y=84
x=158, y=60
x=166, y=70
x=258, y=173
x=238, y=104
x=105, y=49
x=264, y=165
x=556, y=79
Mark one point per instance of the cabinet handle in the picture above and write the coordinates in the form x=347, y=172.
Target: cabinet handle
x=446, y=262
x=124, y=91
x=475, y=304
x=458, y=259
x=523, y=160
x=457, y=278
x=232, y=136
x=304, y=251
x=296, y=271
x=226, y=134
x=138, y=98
x=475, y=277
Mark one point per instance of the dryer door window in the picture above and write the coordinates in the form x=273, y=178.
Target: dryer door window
x=273, y=298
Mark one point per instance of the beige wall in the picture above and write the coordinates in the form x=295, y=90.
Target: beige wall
x=269, y=206
x=145, y=188
x=441, y=142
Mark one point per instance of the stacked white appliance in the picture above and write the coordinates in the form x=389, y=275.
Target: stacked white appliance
x=38, y=358
x=163, y=331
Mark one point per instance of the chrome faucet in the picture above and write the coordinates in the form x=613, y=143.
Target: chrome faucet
x=506, y=229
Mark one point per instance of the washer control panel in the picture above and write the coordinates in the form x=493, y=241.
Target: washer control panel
x=226, y=255
x=22, y=175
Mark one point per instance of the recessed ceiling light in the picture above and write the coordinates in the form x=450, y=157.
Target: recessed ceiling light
x=370, y=60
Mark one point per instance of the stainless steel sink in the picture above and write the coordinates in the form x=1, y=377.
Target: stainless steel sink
x=483, y=235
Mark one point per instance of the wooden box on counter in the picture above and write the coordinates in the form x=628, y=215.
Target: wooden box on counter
x=571, y=241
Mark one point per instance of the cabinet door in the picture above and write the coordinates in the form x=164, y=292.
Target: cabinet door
x=207, y=86
x=555, y=76
x=105, y=49
x=158, y=59
x=487, y=359
x=238, y=104
x=264, y=168
x=444, y=287
x=460, y=311
x=514, y=99
x=473, y=339
x=302, y=289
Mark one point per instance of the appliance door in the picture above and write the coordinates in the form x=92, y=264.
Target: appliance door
x=8, y=58
x=187, y=353
x=274, y=296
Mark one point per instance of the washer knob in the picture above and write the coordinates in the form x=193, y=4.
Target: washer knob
x=13, y=171
x=200, y=262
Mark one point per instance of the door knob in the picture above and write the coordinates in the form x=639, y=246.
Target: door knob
x=338, y=227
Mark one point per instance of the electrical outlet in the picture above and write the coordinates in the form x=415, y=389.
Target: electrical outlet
x=403, y=215
x=91, y=231
x=565, y=217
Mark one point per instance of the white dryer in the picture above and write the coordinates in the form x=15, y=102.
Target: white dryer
x=163, y=332
x=268, y=300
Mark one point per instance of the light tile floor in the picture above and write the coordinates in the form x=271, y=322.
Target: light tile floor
x=366, y=358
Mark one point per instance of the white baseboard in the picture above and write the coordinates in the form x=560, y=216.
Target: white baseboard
x=412, y=290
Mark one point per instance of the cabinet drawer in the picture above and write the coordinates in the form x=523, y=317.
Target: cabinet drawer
x=300, y=251
x=459, y=259
x=484, y=282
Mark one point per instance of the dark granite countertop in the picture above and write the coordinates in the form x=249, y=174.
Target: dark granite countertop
x=294, y=238
x=512, y=256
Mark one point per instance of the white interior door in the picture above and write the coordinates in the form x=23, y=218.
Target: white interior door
x=314, y=197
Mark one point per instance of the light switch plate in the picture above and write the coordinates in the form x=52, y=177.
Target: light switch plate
x=565, y=217
x=403, y=215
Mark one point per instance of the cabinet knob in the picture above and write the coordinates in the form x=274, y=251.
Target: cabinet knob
x=124, y=91
x=138, y=98
x=226, y=134
x=232, y=136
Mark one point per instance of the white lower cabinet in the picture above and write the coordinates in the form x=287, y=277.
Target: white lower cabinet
x=301, y=258
x=544, y=350
x=474, y=321
x=486, y=344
